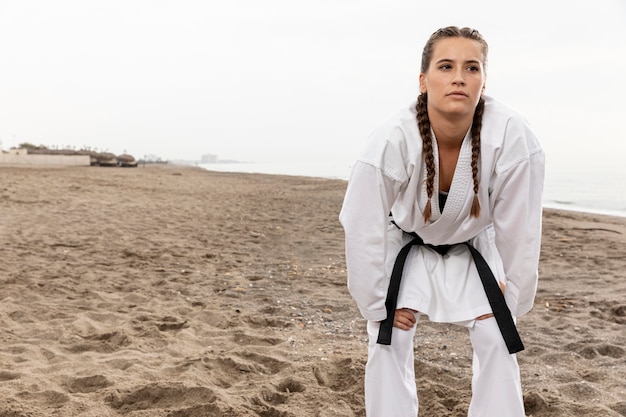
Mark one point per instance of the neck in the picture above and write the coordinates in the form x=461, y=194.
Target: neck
x=450, y=131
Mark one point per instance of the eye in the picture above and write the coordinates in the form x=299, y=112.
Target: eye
x=473, y=68
x=445, y=66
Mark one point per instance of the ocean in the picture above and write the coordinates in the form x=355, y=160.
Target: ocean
x=598, y=190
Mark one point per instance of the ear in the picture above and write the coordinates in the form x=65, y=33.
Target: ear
x=482, y=90
x=423, y=89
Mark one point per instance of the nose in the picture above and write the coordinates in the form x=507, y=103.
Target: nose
x=459, y=77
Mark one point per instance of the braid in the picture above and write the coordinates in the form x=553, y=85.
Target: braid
x=476, y=127
x=423, y=124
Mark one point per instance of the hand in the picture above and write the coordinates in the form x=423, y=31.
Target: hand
x=404, y=319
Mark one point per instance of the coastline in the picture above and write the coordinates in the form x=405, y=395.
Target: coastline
x=581, y=209
x=178, y=291
x=554, y=195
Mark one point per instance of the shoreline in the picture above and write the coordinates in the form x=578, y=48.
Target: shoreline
x=551, y=205
x=273, y=169
x=547, y=204
x=174, y=291
x=587, y=210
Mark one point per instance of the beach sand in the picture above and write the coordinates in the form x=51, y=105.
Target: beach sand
x=175, y=291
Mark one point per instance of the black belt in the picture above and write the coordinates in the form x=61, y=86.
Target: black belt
x=492, y=289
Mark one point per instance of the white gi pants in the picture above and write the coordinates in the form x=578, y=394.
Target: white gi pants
x=390, y=389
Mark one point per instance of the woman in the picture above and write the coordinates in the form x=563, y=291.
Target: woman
x=448, y=192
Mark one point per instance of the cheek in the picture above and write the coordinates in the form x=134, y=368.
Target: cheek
x=431, y=86
x=479, y=87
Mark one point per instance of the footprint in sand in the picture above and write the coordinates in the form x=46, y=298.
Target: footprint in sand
x=619, y=407
x=227, y=370
x=48, y=399
x=534, y=403
x=250, y=362
x=593, y=350
x=87, y=384
x=103, y=343
x=157, y=396
x=610, y=311
x=205, y=410
x=280, y=393
x=171, y=323
x=580, y=391
x=271, y=397
x=164, y=324
x=338, y=375
x=243, y=339
x=8, y=376
x=290, y=385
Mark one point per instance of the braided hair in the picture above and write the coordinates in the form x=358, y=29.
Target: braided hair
x=423, y=122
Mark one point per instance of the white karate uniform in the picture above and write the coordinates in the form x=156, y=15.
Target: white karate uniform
x=389, y=176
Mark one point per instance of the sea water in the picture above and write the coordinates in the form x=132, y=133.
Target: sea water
x=595, y=190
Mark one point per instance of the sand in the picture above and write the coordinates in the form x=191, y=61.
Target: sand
x=174, y=291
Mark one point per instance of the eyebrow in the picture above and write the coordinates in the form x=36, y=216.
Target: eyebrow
x=470, y=61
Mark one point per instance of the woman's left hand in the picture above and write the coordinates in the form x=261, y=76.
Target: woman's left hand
x=404, y=319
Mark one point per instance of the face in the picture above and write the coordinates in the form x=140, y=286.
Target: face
x=455, y=79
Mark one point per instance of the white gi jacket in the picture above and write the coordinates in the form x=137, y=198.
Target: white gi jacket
x=389, y=176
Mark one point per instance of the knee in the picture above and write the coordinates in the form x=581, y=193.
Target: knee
x=486, y=337
x=400, y=352
x=402, y=337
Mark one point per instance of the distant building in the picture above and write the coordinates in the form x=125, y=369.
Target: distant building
x=151, y=158
x=21, y=156
x=208, y=159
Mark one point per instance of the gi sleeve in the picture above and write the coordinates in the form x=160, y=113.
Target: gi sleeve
x=371, y=192
x=516, y=202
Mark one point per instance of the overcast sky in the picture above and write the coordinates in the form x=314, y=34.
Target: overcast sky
x=273, y=79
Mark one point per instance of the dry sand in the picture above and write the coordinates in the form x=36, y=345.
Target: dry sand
x=174, y=291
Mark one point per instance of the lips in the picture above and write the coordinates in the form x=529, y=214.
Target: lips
x=458, y=94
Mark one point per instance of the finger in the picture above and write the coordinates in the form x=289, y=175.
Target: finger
x=403, y=323
x=408, y=315
x=402, y=326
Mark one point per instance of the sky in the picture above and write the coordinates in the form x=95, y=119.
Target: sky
x=268, y=80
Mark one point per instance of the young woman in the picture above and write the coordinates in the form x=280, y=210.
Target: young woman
x=442, y=217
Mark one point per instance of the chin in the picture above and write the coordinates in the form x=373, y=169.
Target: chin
x=459, y=110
